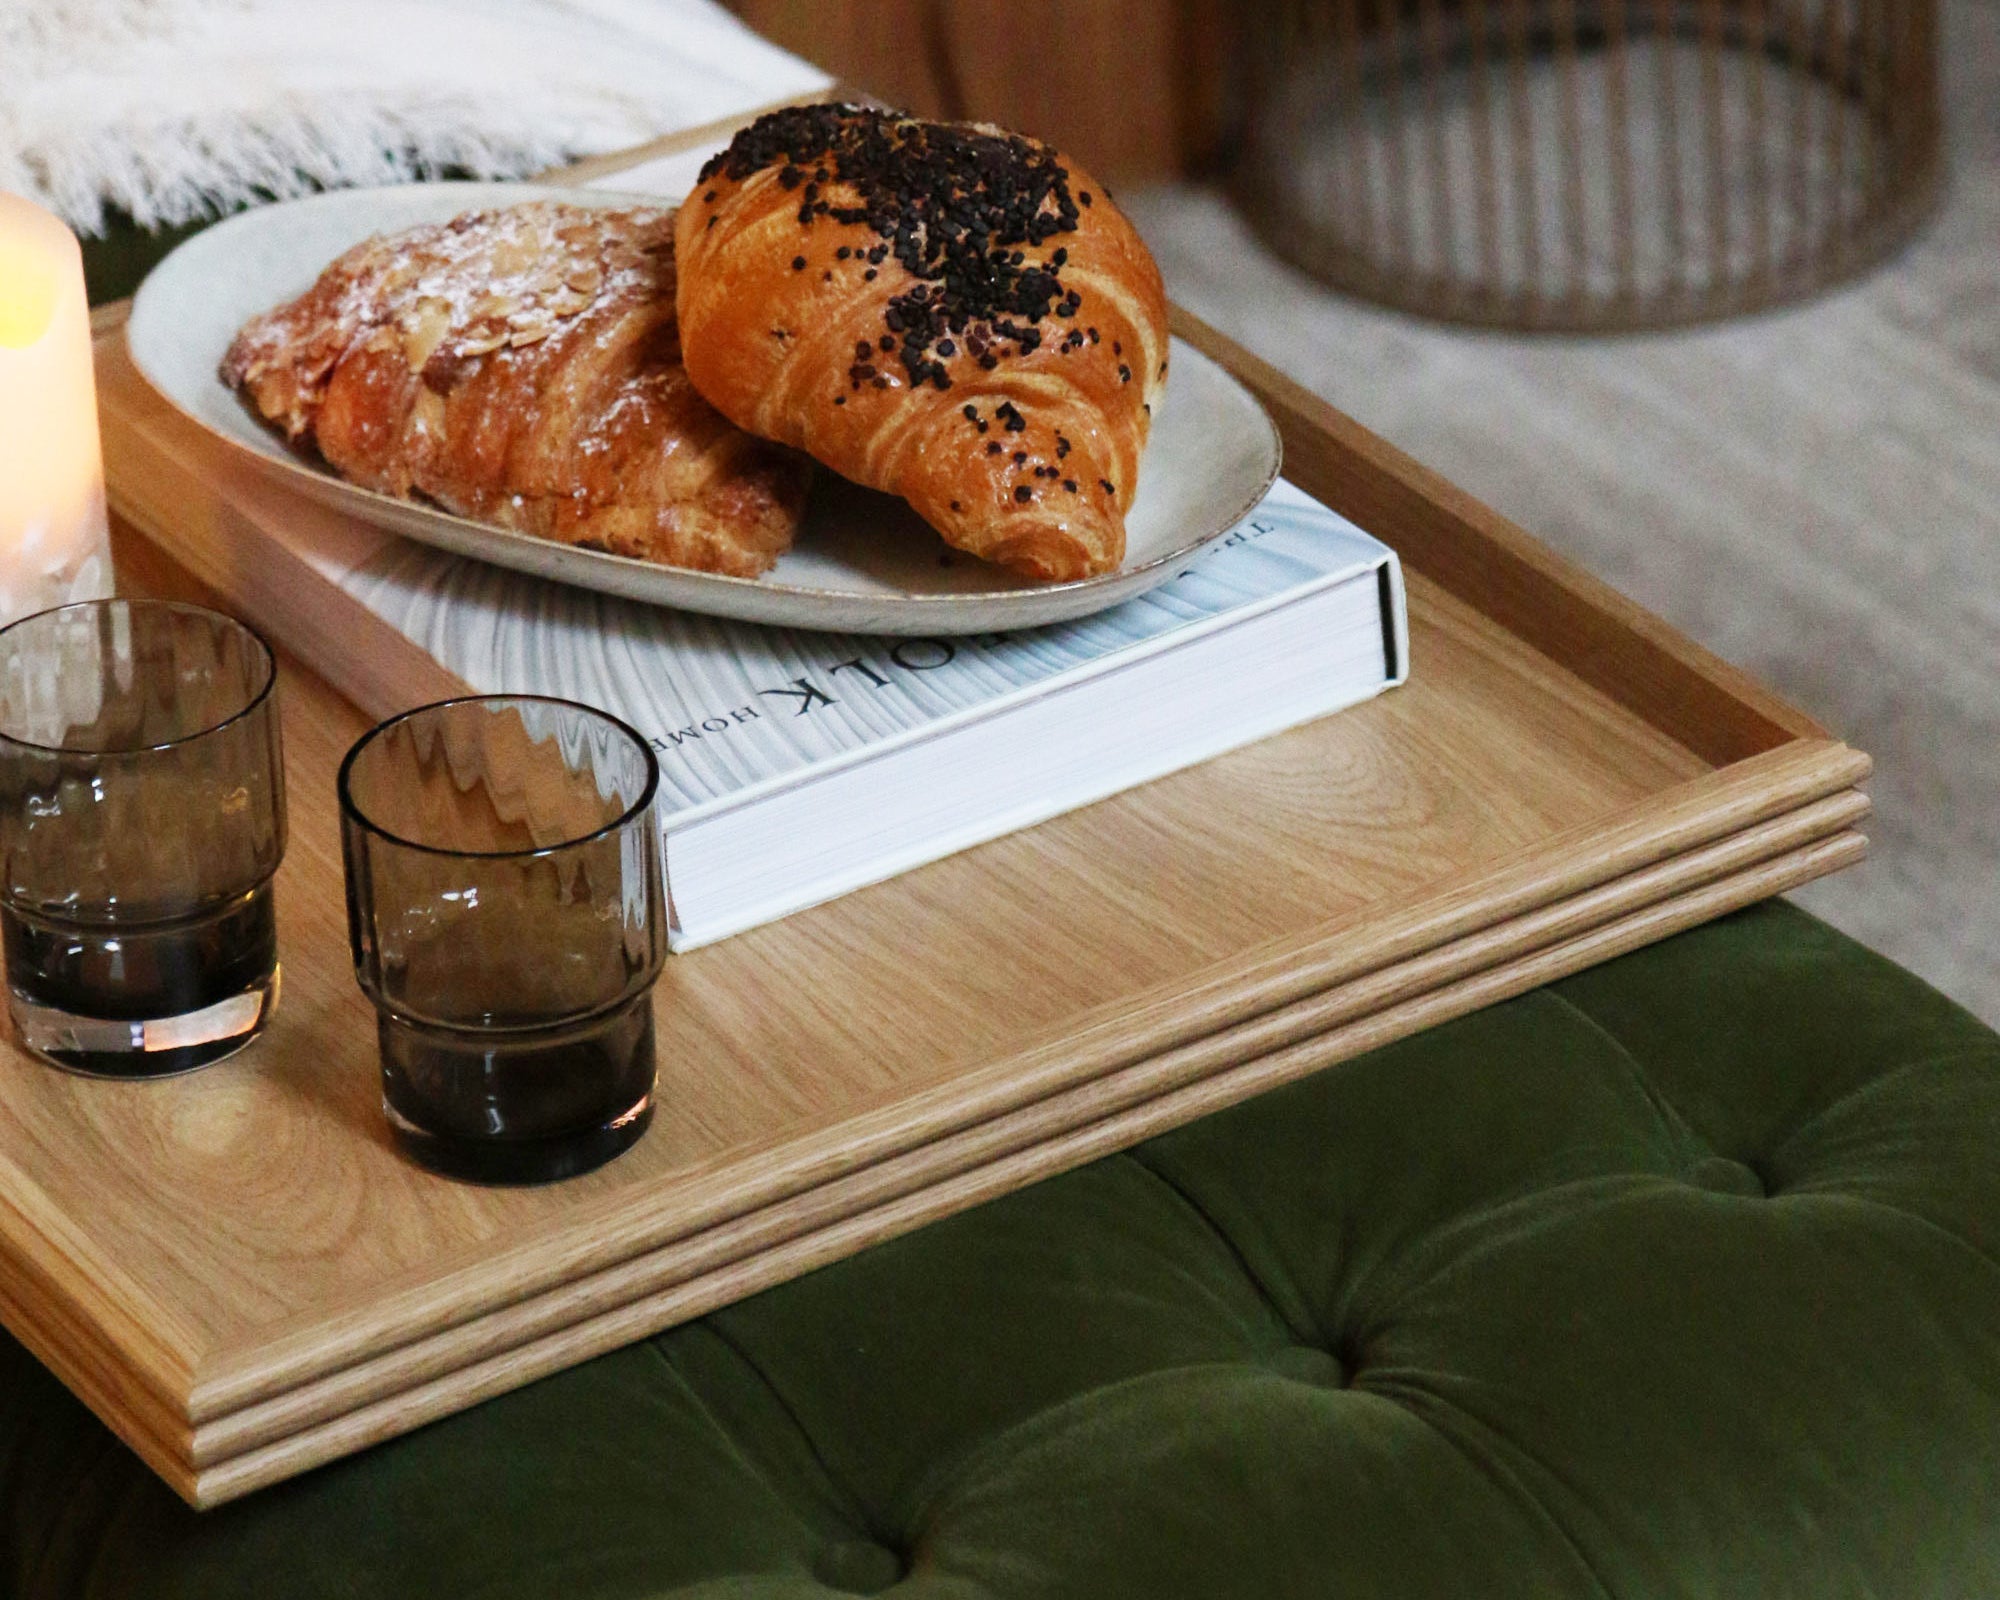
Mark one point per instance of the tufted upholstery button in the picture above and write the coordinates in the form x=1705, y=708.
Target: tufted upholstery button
x=1720, y=1175
x=858, y=1566
x=1304, y=1363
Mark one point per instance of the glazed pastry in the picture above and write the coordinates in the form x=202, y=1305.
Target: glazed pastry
x=522, y=366
x=947, y=312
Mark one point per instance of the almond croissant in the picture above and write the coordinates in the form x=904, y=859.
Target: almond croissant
x=522, y=366
x=948, y=312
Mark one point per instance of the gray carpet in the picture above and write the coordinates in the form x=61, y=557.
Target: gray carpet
x=1814, y=493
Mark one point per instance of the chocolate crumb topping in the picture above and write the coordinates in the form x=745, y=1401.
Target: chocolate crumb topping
x=966, y=212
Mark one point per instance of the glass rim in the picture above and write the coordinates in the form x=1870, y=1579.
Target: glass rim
x=150, y=603
x=351, y=810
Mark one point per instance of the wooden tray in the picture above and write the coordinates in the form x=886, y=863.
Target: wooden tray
x=241, y=1275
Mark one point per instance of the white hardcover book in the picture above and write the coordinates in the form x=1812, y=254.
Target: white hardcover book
x=796, y=766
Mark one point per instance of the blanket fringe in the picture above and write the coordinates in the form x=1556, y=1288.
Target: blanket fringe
x=205, y=167
x=173, y=111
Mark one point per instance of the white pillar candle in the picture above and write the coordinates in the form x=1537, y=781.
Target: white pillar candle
x=53, y=540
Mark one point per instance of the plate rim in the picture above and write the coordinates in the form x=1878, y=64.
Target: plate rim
x=326, y=486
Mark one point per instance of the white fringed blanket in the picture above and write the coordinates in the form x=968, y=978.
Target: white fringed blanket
x=175, y=109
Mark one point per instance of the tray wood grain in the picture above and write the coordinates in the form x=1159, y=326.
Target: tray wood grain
x=239, y=1272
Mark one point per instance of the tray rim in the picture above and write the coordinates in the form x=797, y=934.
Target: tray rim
x=1235, y=994
x=155, y=1425
x=190, y=1398
x=1808, y=809
x=1777, y=763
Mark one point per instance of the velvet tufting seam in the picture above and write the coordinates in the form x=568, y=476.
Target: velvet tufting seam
x=1691, y=1140
x=1688, y=1144
x=1499, y=1224
x=1875, y=1085
x=1440, y=1250
x=1489, y=1466
x=1303, y=1329
x=1869, y=1202
x=751, y=1464
x=940, y=1484
x=837, y=1493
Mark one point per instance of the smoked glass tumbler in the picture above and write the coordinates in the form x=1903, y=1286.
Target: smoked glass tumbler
x=508, y=919
x=142, y=815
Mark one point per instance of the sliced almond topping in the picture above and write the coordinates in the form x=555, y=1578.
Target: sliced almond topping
x=513, y=255
x=425, y=331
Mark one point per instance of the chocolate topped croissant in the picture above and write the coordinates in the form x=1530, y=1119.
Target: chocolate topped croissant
x=947, y=312
x=521, y=365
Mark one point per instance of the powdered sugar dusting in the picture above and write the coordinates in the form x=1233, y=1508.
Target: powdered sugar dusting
x=451, y=293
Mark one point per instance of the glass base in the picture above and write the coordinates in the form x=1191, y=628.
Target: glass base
x=522, y=1161
x=519, y=1105
x=156, y=1047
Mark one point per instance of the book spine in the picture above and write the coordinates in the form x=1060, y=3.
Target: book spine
x=1383, y=580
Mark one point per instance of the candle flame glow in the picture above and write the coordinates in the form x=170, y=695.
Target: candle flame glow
x=28, y=288
x=52, y=524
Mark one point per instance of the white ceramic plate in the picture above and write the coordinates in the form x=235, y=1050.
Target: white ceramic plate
x=863, y=562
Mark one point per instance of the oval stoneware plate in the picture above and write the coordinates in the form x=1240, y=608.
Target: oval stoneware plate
x=863, y=562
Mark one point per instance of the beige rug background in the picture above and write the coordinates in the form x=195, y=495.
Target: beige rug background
x=1814, y=493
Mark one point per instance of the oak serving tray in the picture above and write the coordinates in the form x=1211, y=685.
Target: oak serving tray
x=243, y=1277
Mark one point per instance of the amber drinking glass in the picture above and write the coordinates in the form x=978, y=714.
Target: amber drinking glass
x=507, y=915
x=142, y=815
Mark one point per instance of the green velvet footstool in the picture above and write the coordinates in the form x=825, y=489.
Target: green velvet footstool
x=1678, y=1278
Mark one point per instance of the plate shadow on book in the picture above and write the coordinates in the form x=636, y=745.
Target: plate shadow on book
x=860, y=539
